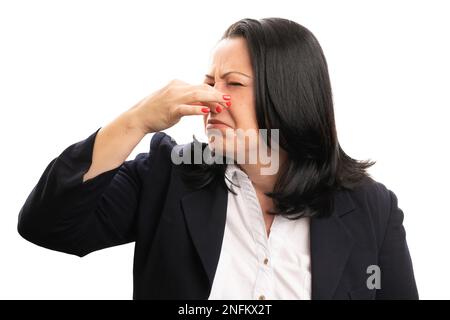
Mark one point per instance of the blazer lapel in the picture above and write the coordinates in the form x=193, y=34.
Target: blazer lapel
x=331, y=244
x=205, y=214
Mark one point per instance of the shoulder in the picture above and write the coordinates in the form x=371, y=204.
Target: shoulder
x=156, y=161
x=162, y=141
x=165, y=153
x=163, y=146
x=377, y=203
x=373, y=194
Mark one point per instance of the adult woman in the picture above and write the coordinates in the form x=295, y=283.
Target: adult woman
x=312, y=229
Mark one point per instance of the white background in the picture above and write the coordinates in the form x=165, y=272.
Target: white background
x=70, y=67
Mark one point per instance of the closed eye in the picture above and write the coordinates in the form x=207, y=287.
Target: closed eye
x=229, y=83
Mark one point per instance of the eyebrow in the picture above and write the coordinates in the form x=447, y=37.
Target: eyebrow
x=227, y=73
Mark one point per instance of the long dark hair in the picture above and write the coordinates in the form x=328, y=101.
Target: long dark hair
x=293, y=94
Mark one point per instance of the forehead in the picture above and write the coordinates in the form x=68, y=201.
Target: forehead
x=230, y=54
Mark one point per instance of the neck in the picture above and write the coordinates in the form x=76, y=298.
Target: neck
x=262, y=182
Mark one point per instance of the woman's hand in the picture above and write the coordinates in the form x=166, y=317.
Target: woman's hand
x=165, y=107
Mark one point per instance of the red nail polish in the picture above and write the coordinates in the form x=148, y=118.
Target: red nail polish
x=228, y=103
x=218, y=109
x=205, y=110
x=226, y=97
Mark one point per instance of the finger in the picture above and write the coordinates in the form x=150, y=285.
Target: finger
x=216, y=108
x=191, y=110
x=213, y=107
x=207, y=95
x=198, y=104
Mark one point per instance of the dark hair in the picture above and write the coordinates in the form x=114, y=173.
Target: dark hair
x=293, y=94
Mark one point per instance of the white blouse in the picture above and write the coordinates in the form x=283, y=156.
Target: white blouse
x=252, y=265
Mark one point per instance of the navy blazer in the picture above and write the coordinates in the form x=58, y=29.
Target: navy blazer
x=178, y=231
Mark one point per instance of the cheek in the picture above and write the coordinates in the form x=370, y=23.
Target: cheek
x=244, y=116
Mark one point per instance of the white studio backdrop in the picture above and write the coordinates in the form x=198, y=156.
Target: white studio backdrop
x=69, y=67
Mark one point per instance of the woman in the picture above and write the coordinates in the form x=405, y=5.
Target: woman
x=316, y=227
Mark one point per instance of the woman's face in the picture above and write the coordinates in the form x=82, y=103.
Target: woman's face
x=231, y=73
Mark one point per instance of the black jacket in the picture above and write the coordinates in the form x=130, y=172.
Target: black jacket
x=178, y=231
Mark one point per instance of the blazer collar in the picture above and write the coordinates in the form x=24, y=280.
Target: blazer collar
x=330, y=241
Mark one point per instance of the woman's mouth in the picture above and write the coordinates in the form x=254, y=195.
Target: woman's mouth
x=216, y=124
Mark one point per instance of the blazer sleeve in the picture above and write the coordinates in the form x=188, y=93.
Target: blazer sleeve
x=64, y=213
x=397, y=275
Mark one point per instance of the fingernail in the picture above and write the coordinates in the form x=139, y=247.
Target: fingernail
x=226, y=97
x=205, y=110
x=228, y=103
x=218, y=109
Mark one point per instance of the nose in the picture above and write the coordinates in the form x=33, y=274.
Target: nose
x=220, y=85
x=216, y=107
